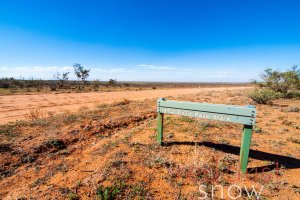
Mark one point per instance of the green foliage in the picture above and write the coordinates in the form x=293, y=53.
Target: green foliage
x=12, y=83
x=96, y=84
x=264, y=96
x=73, y=196
x=107, y=193
x=282, y=82
x=138, y=191
x=8, y=130
x=294, y=94
x=186, y=119
x=119, y=189
x=112, y=82
x=276, y=84
x=62, y=79
x=81, y=73
x=52, y=86
x=8, y=82
x=68, y=118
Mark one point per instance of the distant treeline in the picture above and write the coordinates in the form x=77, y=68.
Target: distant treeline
x=61, y=82
x=53, y=85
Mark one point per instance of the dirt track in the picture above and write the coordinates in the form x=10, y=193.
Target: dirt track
x=17, y=107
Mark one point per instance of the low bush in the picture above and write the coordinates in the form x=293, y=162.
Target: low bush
x=108, y=192
x=277, y=84
x=283, y=82
x=293, y=95
x=8, y=130
x=264, y=96
x=72, y=196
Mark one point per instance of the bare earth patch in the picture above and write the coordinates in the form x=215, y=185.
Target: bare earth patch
x=18, y=107
x=112, y=149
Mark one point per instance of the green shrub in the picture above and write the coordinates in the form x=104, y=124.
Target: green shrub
x=283, y=82
x=264, y=96
x=293, y=95
x=72, y=196
x=111, y=192
x=8, y=130
x=186, y=119
x=112, y=82
x=107, y=193
x=68, y=118
x=96, y=85
x=276, y=84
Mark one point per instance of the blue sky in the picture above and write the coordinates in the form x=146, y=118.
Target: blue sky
x=134, y=40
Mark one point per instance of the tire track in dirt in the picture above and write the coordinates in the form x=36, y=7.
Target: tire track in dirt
x=17, y=107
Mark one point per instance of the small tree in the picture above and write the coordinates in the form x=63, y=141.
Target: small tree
x=282, y=82
x=81, y=73
x=264, y=96
x=62, y=79
x=112, y=82
x=276, y=84
x=96, y=84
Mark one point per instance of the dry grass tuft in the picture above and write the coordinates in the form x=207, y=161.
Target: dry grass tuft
x=36, y=114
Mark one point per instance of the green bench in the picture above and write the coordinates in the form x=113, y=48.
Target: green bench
x=228, y=113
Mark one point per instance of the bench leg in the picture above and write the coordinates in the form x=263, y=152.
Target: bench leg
x=245, y=147
x=160, y=118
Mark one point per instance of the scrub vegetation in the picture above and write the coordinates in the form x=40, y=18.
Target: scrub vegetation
x=61, y=83
x=276, y=84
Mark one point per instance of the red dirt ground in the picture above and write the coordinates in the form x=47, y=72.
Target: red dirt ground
x=73, y=156
x=18, y=107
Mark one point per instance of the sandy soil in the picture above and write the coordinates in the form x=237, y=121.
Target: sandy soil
x=76, y=156
x=18, y=107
